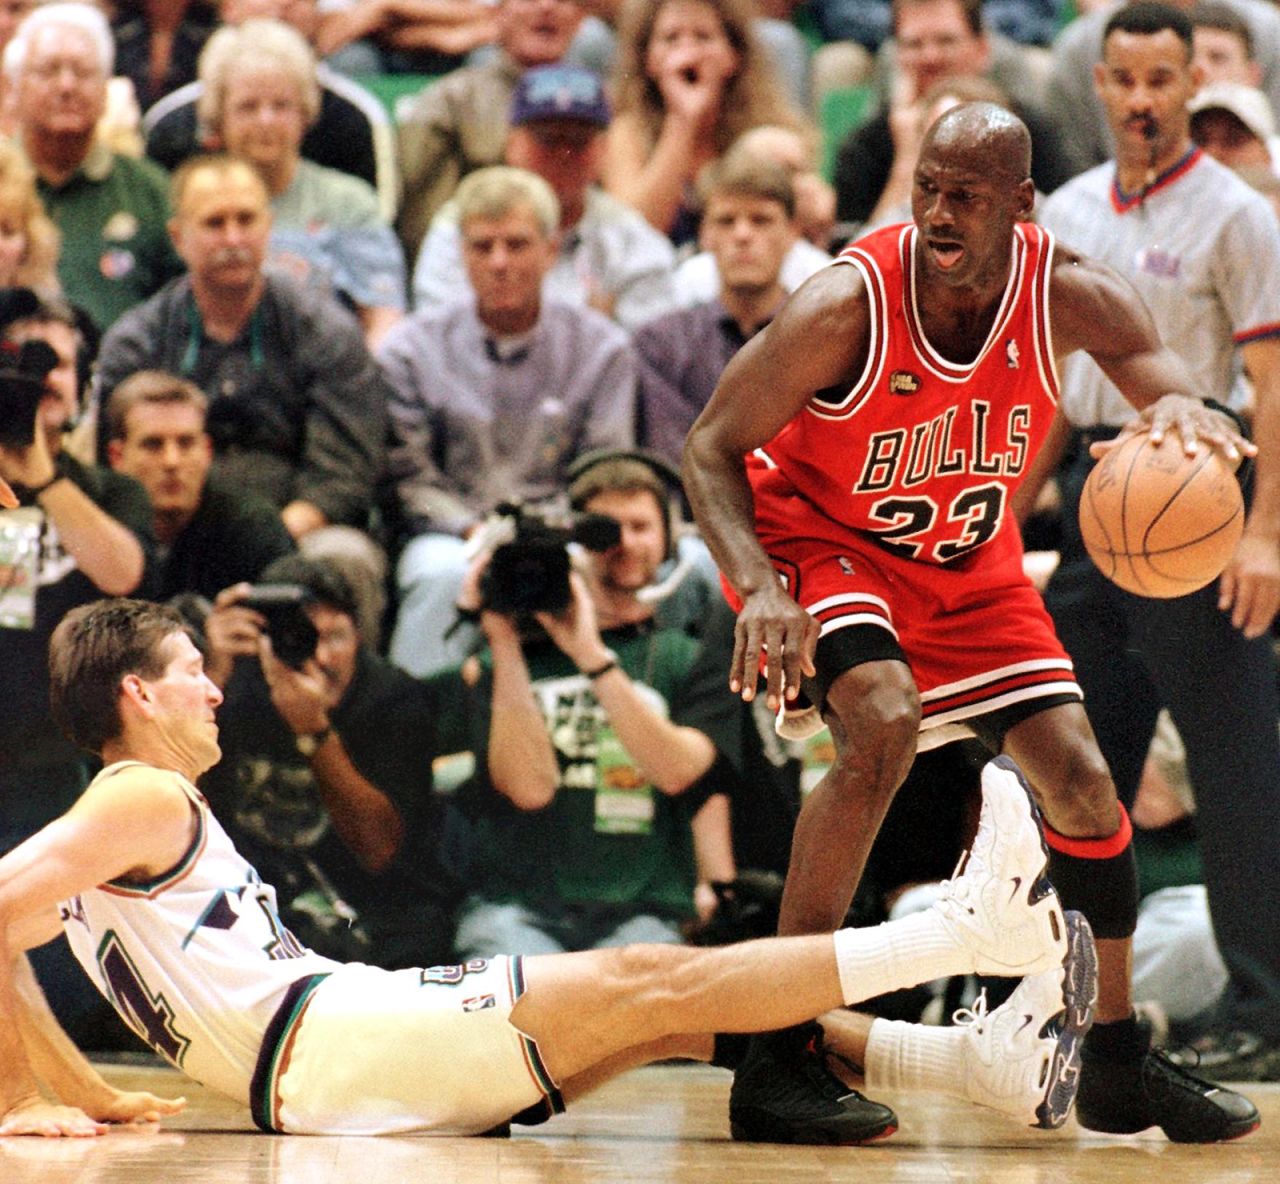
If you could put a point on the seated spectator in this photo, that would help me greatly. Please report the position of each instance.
(1222, 45)
(297, 407)
(690, 78)
(749, 228)
(609, 257)
(585, 751)
(1073, 99)
(401, 36)
(110, 208)
(259, 96)
(935, 39)
(1234, 124)
(29, 241)
(352, 132)
(325, 777)
(698, 279)
(492, 399)
(459, 123)
(158, 43)
(209, 534)
(80, 533)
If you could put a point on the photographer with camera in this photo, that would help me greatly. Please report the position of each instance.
(492, 398)
(78, 533)
(590, 753)
(325, 780)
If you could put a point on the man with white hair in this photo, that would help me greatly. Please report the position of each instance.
(111, 209)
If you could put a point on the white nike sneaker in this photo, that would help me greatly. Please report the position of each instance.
(1000, 905)
(1023, 1059)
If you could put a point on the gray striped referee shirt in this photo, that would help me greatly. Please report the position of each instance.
(1201, 247)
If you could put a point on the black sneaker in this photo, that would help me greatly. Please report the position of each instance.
(1123, 1095)
(1231, 1056)
(784, 1093)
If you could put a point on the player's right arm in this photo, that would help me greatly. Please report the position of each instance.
(137, 824)
(817, 341)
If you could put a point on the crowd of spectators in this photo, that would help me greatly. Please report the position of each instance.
(326, 294)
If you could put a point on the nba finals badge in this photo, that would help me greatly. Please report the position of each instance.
(903, 382)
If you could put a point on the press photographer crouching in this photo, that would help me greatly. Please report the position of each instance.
(590, 754)
(325, 780)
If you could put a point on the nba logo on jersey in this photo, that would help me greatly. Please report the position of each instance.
(845, 565)
(479, 1003)
(1011, 354)
(903, 382)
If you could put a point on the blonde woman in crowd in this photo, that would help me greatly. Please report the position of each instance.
(260, 96)
(28, 238)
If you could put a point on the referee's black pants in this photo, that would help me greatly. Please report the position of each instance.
(1132, 656)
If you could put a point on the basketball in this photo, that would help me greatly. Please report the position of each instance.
(1158, 522)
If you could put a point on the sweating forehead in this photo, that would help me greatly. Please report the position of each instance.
(980, 138)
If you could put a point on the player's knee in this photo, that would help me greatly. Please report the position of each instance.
(880, 727)
(1082, 801)
(649, 971)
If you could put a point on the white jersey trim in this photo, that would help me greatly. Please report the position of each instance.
(988, 676)
(877, 346)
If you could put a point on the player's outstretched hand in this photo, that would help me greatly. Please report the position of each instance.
(1195, 424)
(50, 1120)
(135, 1106)
(1249, 588)
(8, 499)
(773, 624)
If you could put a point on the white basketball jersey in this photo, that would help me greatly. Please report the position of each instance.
(197, 961)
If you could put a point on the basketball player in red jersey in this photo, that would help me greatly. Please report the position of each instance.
(886, 416)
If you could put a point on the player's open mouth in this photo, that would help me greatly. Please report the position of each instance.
(946, 255)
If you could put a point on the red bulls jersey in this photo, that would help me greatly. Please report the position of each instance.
(924, 452)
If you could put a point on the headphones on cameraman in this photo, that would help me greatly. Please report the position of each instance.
(672, 501)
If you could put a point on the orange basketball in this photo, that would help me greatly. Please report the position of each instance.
(1158, 522)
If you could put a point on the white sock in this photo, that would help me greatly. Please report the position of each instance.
(903, 953)
(914, 1057)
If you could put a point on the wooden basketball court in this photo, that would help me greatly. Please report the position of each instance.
(665, 1125)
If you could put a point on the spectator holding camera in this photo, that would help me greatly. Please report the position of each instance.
(588, 748)
(325, 779)
(79, 532)
(492, 399)
(210, 533)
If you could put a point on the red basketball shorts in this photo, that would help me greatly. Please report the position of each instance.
(975, 633)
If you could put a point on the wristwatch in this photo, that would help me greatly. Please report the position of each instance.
(308, 744)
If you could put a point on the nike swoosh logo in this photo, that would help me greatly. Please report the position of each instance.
(1026, 1019)
(1017, 883)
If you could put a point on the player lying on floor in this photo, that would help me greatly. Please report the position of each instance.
(181, 935)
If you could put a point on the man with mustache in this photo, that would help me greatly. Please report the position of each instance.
(851, 476)
(297, 406)
(1203, 251)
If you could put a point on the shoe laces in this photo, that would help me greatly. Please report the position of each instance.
(974, 1017)
(815, 1061)
(1161, 1077)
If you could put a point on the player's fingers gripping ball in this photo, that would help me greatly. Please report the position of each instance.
(1158, 522)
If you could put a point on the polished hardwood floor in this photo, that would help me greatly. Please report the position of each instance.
(665, 1125)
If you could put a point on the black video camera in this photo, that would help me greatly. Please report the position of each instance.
(293, 637)
(530, 572)
(22, 386)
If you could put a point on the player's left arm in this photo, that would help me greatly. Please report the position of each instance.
(1250, 585)
(1098, 311)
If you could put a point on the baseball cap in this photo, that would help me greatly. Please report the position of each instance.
(1248, 104)
(559, 92)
